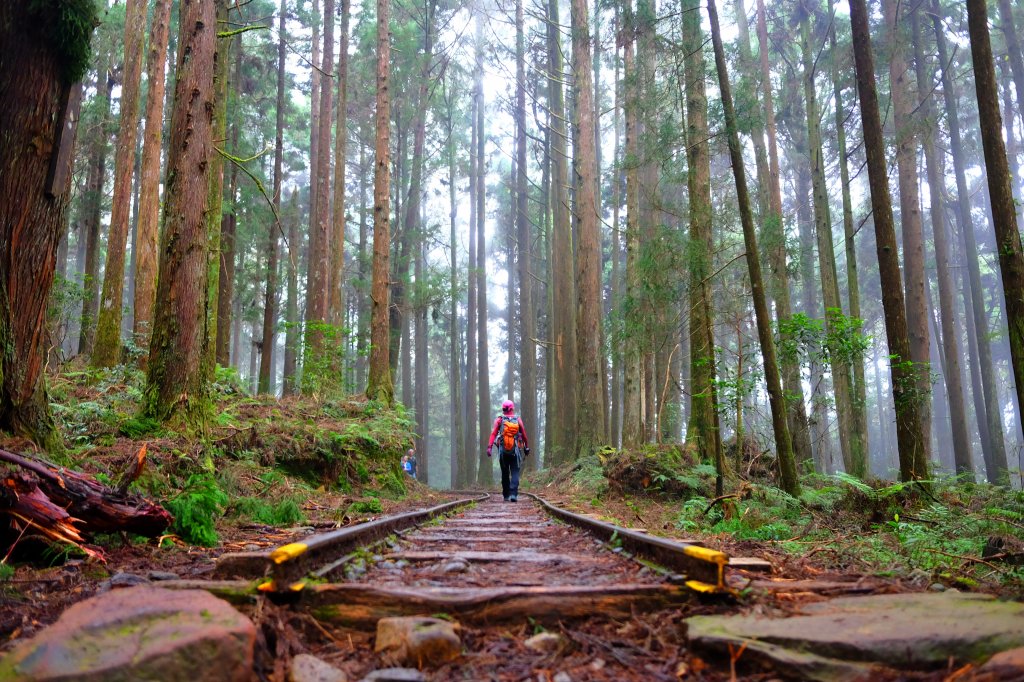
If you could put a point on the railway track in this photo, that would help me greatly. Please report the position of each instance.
(485, 564)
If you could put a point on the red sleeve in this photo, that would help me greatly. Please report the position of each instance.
(494, 432)
(522, 430)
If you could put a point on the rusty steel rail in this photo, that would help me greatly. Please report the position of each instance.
(703, 568)
(290, 563)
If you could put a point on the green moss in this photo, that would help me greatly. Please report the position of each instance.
(67, 25)
(137, 427)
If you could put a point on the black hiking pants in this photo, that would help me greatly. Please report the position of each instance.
(509, 464)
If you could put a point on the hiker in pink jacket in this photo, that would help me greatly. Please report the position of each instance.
(513, 445)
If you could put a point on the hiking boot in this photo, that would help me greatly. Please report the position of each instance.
(505, 498)
(512, 498)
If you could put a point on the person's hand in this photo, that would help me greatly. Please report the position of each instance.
(488, 452)
(527, 451)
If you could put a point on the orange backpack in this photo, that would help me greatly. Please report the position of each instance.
(509, 433)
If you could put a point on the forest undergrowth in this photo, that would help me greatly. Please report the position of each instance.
(953, 534)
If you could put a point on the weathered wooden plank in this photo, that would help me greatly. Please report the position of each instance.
(361, 606)
(484, 556)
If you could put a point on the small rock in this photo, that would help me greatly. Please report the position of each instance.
(306, 668)
(388, 565)
(157, 576)
(597, 664)
(937, 587)
(562, 677)
(1004, 666)
(123, 580)
(417, 641)
(456, 566)
(396, 675)
(545, 642)
(401, 563)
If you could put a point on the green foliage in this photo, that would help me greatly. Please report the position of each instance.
(804, 338)
(138, 427)
(284, 512)
(370, 506)
(6, 571)
(196, 509)
(67, 25)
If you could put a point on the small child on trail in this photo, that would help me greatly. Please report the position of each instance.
(512, 447)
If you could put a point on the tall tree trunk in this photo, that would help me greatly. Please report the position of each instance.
(148, 231)
(335, 303)
(291, 315)
(318, 282)
(590, 429)
(93, 199)
(1004, 213)
(176, 386)
(40, 112)
(910, 435)
(527, 314)
(860, 417)
(562, 391)
(379, 383)
(992, 442)
(455, 356)
(703, 425)
(484, 470)
(783, 444)
(1013, 53)
(107, 350)
(226, 260)
(936, 184)
(773, 237)
(467, 466)
(904, 113)
(266, 384)
(633, 399)
(616, 249)
(854, 450)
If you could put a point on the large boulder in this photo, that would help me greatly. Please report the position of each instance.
(140, 634)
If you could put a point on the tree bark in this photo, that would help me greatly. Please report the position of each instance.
(950, 346)
(379, 383)
(148, 231)
(987, 408)
(590, 429)
(107, 349)
(909, 433)
(1004, 213)
(176, 385)
(291, 317)
(632, 399)
(225, 260)
(335, 303)
(774, 240)
(484, 469)
(562, 391)
(783, 444)
(854, 450)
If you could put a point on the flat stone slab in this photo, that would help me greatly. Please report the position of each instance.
(848, 637)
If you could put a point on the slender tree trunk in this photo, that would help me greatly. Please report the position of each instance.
(484, 471)
(467, 466)
(561, 393)
(335, 303)
(318, 282)
(455, 358)
(904, 114)
(176, 385)
(616, 248)
(107, 349)
(773, 237)
(1004, 213)
(1013, 53)
(270, 295)
(379, 383)
(854, 450)
(860, 418)
(93, 198)
(148, 231)
(993, 445)
(909, 432)
(936, 183)
(703, 425)
(226, 260)
(783, 444)
(632, 401)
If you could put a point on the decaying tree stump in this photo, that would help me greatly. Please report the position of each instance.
(63, 505)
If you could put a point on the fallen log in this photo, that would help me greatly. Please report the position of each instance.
(64, 505)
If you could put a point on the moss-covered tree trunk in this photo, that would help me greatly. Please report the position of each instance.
(176, 386)
(44, 48)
